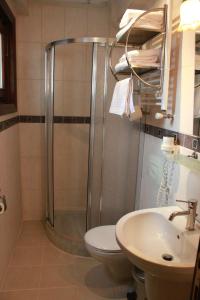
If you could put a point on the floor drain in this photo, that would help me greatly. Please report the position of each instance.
(167, 257)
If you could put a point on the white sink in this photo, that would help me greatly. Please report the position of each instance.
(146, 235)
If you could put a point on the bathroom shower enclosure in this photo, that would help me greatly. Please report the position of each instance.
(91, 156)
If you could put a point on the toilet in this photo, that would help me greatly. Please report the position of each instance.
(102, 245)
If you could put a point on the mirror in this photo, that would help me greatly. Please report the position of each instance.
(196, 121)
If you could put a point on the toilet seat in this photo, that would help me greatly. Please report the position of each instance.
(103, 239)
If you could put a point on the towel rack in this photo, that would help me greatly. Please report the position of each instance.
(127, 71)
(137, 70)
(133, 70)
(129, 39)
(113, 45)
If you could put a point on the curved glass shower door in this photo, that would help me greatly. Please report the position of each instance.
(91, 155)
(71, 90)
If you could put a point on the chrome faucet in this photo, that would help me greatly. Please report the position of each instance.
(191, 213)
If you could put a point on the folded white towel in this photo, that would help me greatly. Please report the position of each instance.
(147, 55)
(153, 19)
(128, 15)
(120, 97)
(122, 102)
(123, 66)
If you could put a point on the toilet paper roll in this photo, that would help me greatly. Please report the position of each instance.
(2, 208)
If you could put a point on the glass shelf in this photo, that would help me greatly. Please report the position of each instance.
(188, 162)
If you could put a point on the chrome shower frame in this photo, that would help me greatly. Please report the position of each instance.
(49, 118)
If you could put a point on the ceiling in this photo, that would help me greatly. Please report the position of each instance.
(118, 6)
(21, 6)
(75, 1)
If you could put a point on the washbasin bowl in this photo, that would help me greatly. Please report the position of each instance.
(158, 246)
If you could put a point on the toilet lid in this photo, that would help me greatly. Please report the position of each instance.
(103, 238)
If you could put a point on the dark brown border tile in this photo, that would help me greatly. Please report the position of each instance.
(187, 141)
(8, 123)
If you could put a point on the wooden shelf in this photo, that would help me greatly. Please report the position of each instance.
(138, 70)
(139, 36)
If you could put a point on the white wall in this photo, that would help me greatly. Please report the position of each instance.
(185, 182)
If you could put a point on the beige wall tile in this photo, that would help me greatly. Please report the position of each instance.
(76, 139)
(71, 139)
(31, 173)
(88, 74)
(76, 100)
(71, 199)
(29, 28)
(98, 21)
(29, 60)
(76, 29)
(75, 62)
(42, 95)
(31, 143)
(53, 23)
(33, 204)
(10, 221)
(59, 62)
(60, 133)
(71, 162)
(70, 172)
(43, 48)
(58, 98)
(29, 97)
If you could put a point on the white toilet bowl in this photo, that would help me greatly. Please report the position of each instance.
(102, 245)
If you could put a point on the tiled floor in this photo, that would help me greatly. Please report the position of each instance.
(64, 223)
(40, 271)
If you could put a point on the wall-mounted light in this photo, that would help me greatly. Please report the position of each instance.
(189, 15)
